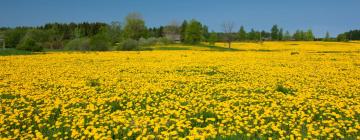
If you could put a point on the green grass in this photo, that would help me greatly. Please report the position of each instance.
(174, 48)
(7, 52)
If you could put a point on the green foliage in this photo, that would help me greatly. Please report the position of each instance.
(300, 35)
(309, 36)
(156, 32)
(183, 31)
(287, 36)
(147, 42)
(193, 32)
(242, 34)
(13, 51)
(281, 34)
(212, 38)
(206, 34)
(254, 35)
(29, 44)
(129, 45)
(114, 32)
(342, 38)
(285, 90)
(165, 41)
(33, 40)
(14, 36)
(275, 32)
(134, 27)
(352, 35)
(100, 42)
(81, 44)
(69, 31)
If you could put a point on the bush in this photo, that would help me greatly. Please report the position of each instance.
(14, 36)
(129, 45)
(29, 44)
(99, 43)
(82, 44)
(165, 41)
(147, 42)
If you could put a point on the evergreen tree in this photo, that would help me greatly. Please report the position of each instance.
(327, 36)
(275, 32)
(287, 36)
(183, 31)
(252, 35)
(242, 34)
(309, 36)
(206, 33)
(281, 34)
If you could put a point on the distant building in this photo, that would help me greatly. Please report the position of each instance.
(173, 37)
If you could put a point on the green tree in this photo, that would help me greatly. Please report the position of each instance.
(55, 39)
(13, 37)
(101, 41)
(134, 27)
(242, 34)
(252, 35)
(327, 36)
(342, 37)
(287, 36)
(206, 33)
(34, 40)
(281, 34)
(212, 38)
(183, 30)
(193, 32)
(275, 32)
(299, 35)
(309, 36)
(114, 32)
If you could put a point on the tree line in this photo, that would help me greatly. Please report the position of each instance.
(134, 35)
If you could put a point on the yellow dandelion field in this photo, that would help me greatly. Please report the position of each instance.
(277, 90)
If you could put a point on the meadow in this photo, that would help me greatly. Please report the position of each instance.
(273, 90)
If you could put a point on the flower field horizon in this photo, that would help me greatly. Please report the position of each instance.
(275, 90)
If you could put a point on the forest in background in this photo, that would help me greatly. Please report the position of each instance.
(134, 35)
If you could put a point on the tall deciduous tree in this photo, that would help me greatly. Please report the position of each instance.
(228, 28)
(193, 32)
(134, 26)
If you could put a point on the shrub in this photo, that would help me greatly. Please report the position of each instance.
(14, 36)
(34, 40)
(129, 45)
(82, 44)
(147, 42)
(165, 41)
(29, 44)
(99, 43)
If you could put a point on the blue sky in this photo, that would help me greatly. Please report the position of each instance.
(334, 16)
